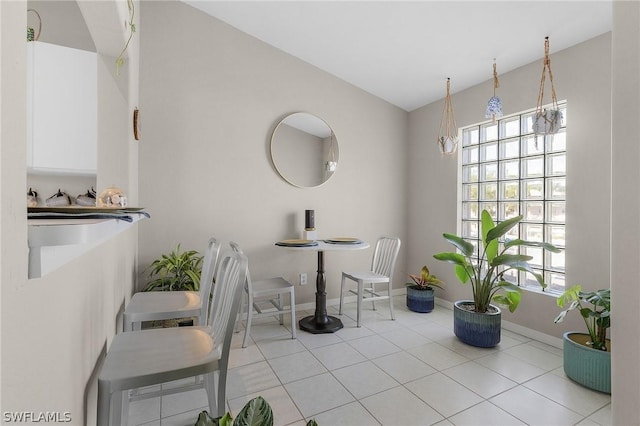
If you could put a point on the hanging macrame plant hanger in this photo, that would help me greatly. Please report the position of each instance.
(547, 121)
(448, 131)
(494, 106)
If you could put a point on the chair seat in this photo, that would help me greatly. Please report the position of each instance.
(161, 305)
(143, 358)
(367, 276)
(270, 285)
(381, 272)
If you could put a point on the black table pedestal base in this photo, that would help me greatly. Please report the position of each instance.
(312, 325)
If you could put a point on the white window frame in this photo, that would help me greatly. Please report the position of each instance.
(517, 173)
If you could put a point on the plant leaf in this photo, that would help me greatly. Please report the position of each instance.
(464, 246)
(510, 259)
(256, 412)
(490, 247)
(502, 228)
(462, 273)
(518, 242)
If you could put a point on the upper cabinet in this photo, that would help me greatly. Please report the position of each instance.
(61, 109)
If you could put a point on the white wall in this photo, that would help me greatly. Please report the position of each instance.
(625, 205)
(582, 76)
(210, 98)
(55, 328)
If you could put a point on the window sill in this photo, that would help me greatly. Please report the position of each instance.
(55, 242)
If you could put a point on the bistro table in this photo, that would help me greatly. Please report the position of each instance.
(320, 322)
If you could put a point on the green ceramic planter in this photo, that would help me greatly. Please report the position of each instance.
(585, 365)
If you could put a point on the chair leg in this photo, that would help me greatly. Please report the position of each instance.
(210, 388)
(360, 296)
(292, 301)
(280, 304)
(222, 391)
(341, 294)
(247, 329)
(373, 294)
(124, 407)
(104, 404)
(393, 317)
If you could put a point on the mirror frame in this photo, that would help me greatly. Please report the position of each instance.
(290, 180)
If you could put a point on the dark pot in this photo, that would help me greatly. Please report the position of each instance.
(420, 300)
(474, 328)
(585, 365)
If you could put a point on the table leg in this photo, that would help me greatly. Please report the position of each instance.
(320, 322)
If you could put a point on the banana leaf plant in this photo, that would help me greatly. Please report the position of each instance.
(597, 318)
(486, 274)
(177, 271)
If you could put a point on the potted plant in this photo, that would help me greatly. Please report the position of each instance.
(420, 294)
(587, 357)
(255, 412)
(175, 271)
(477, 322)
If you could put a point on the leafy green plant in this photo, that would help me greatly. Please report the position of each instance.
(256, 412)
(425, 281)
(487, 274)
(597, 318)
(175, 271)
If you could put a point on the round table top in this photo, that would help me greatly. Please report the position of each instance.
(325, 246)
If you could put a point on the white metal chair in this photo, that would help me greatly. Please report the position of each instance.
(257, 291)
(150, 357)
(382, 267)
(163, 305)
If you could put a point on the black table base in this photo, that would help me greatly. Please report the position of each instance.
(312, 325)
(320, 322)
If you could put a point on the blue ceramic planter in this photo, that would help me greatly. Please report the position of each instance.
(587, 366)
(420, 300)
(476, 329)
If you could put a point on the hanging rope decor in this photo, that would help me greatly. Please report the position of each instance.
(547, 121)
(494, 106)
(448, 131)
(331, 164)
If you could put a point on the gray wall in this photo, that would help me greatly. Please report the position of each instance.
(55, 329)
(582, 76)
(210, 99)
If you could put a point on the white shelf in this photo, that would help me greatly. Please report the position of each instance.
(54, 242)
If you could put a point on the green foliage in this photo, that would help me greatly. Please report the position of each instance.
(175, 272)
(597, 318)
(425, 281)
(256, 412)
(486, 276)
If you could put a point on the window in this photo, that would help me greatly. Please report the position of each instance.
(508, 171)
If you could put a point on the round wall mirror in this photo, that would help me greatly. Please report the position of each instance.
(304, 150)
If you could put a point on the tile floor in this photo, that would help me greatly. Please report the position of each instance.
(412, 371)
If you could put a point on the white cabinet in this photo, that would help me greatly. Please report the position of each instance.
(61, 109)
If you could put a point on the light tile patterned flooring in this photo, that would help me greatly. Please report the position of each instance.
(412, 371)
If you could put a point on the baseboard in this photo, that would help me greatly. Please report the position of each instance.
(510, 326)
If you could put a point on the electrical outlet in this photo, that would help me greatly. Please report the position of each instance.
(303, 279)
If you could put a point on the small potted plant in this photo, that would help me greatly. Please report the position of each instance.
(420, 294)
(477, 322)
(587, 357)
(175, 271)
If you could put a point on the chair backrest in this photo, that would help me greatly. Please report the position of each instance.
(206, 276)
(231, 273)
(236, 249)
(385, 256)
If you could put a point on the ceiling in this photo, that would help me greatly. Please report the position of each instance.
(403, 51)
